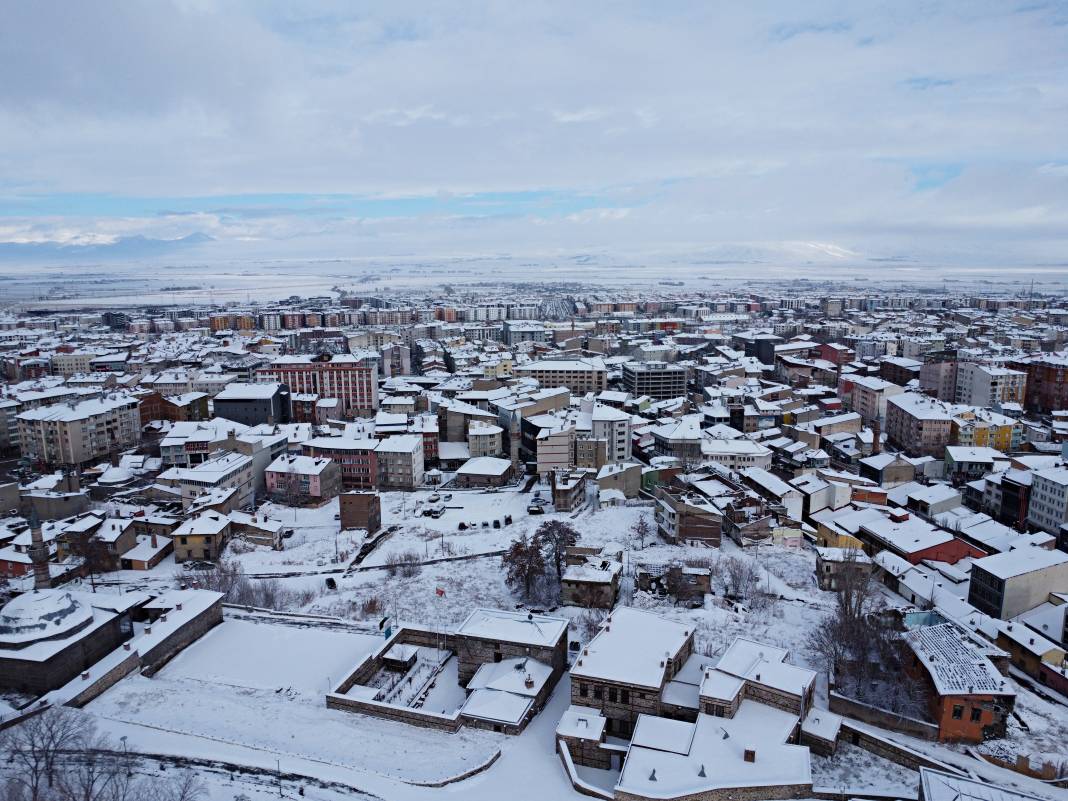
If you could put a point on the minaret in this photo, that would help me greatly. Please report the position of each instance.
(38, 552)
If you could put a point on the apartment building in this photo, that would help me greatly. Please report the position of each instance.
(984, 385)
(1012, 582)
(400, 462)
(223, 471)
(869, 396)
(254, 404)
(657, 380)
(613, 427)
(313, 477)
(1048, 506)
(80, 433)
(918, 425)
(353, 380)
(357, 459)
(578, 375)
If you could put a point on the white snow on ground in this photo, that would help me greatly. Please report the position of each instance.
(857, 769)
(262, 656)
(218, 698)
(292, 727)
(1047, 738)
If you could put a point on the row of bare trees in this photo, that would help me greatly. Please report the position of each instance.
(238, 588)
(57, 755)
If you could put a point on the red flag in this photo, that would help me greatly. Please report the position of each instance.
(440, 592)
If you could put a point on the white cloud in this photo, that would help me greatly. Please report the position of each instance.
(702, 124)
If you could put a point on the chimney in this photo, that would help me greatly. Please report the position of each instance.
(154, 543)
(750, 755)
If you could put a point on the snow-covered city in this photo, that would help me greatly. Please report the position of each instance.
(533, 401)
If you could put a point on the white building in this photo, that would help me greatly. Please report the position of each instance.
(983, 385)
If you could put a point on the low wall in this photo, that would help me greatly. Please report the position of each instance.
(96, 686)
(160, 654)
(467, 774)
(899, 754)
(572, 775)
(401, 714)
(845, 794)
(876, 716)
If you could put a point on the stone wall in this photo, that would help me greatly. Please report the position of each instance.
(186, 634)
(772, 697)
(563, 751)
(36, 677)
(96, 686)
(841, 705)
(880, 746)
(733, 793)
(586, 752)
(400, 714)
(473, 652)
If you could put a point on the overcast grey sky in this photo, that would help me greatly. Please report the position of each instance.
(913, 130)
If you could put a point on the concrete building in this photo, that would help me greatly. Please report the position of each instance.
(485, 439)
(357, 458)
(223, 471)
(294, 477)
(1047, 508)
(1007, 584)
(987, 386)
(400, 462)
(578, 375)
(202, 537)
(361, 509)
(353, 380)
(1047, 381)
(869, 395)
(254, 404)
(79, 434)
(918, 425)
(659, 380)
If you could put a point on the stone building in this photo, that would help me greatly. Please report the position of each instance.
(623, 670)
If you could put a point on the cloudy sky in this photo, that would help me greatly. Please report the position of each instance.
(928, 131)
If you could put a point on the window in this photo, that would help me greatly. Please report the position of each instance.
(958, 712)
(977, 714)
(624, 696)
(612, 696)
(584, 691)
(598, 693)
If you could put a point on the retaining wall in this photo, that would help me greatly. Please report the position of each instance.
(884, 718)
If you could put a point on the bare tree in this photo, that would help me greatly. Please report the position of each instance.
(94, 774)
(680, 585)
(186, 786)
(641, 529)
(554, 536)
(34, 747)
(740, 577)
(525, 564)
(96, 558)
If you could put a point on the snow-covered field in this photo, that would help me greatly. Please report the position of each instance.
(277, 658)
